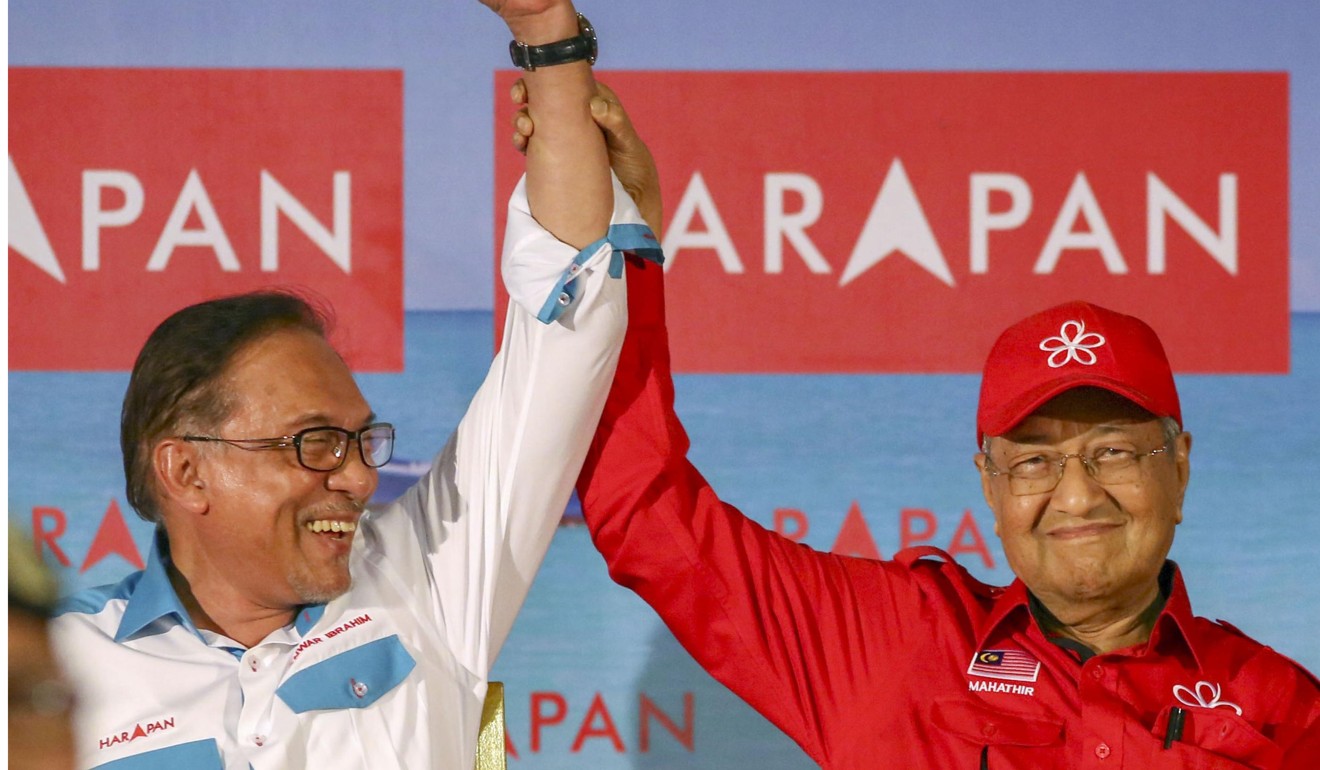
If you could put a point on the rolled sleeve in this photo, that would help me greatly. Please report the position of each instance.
(542, 273)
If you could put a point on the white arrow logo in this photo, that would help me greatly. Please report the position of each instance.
(897, 223)
(26, 235)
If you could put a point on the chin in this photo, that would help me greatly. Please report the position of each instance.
(322, 590)
(1091, 584)
(1086, 592)
(321, 596)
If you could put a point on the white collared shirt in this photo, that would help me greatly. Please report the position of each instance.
(393, 673)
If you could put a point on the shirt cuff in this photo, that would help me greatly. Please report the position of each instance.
(541, 272)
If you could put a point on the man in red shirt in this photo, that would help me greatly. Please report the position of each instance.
(1092, 658)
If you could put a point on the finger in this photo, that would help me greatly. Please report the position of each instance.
(614, 122)
(606, 92)
(600, 111)
(519, 142)
(616, 110)
(522, 123)
(608, 115)
(518, 93)
(613, 111)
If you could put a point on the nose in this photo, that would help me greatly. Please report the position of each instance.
(1077, 491)
(354, 478)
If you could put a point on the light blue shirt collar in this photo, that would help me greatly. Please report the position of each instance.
(153, 599)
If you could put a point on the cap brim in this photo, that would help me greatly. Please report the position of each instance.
(1017, 410)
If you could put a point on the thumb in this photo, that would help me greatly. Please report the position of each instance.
(611, 119)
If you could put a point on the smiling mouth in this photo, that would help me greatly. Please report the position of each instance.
(331, 527)
(1077, 533)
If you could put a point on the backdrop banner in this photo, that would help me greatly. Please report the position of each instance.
(895, 222)
(135, 192)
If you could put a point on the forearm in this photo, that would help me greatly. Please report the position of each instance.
(784, 627)
(568, 176)
(703, 566)
(490, 509)
(527, 432)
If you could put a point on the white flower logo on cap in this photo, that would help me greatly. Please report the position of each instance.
(1074, 343)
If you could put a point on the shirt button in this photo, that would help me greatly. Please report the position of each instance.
(990, 730)
(1102, 750)
(574, 269)
(252, 663)
(564, 299)
(1097, 673)
(260, 740)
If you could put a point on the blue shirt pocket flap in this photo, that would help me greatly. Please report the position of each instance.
(194, 755)
(350, 680)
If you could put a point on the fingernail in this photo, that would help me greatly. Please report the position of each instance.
(599, 107)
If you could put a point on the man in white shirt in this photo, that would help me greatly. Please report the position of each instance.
(281, 624)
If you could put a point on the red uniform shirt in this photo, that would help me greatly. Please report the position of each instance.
(910, 663)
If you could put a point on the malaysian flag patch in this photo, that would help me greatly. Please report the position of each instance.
(1013, 665)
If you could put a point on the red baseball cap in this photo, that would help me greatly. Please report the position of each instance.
(1070, 346)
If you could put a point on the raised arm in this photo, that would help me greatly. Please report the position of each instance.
(568, 177)
(470, 536)
(781, 625)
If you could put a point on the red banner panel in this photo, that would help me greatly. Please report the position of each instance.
(135, 192)
(896, 222)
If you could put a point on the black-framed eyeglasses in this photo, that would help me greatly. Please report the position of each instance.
(1040, 472)
(324, 447)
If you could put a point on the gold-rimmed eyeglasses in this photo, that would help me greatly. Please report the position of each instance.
(1039, 472)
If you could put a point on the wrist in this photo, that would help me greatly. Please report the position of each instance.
(557, 22)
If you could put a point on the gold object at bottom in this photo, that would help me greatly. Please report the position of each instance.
(490, 740)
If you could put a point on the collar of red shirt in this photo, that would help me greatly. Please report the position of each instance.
(1174, 626)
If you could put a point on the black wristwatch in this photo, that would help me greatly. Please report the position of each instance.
(582, 46)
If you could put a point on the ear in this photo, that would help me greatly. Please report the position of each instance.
(979, 458)
(177, 466)
(1182, 458)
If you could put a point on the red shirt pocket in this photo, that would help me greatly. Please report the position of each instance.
(1213, 735)
(984, 725)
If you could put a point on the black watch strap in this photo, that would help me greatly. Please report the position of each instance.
(581, 47)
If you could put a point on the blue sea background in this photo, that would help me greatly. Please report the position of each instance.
(818, 444)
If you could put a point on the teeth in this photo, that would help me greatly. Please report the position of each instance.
(325, 525)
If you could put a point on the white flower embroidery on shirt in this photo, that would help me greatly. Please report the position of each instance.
(1074, 346)
(1206, 695)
